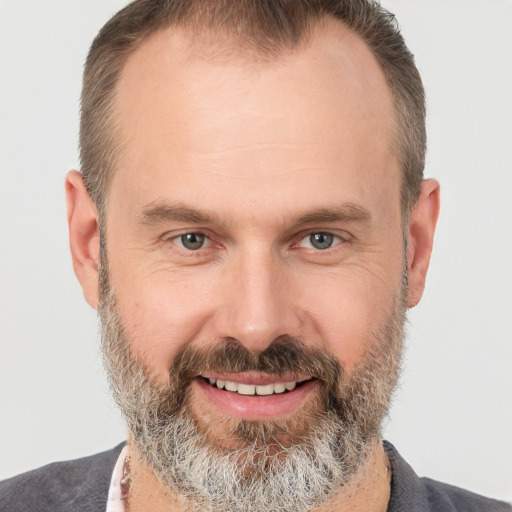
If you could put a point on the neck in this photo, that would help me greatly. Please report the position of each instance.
(368, 491)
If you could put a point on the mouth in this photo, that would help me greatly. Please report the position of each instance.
(256, 397)
(252, 389)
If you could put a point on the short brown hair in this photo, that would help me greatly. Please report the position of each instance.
(266, 27)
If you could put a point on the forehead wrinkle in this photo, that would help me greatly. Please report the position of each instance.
(256, 146)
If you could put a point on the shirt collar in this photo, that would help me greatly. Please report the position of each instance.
(117, 491)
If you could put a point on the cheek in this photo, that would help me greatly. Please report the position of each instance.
(347, 309)
(161, 312)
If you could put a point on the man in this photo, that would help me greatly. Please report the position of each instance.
(252, 224)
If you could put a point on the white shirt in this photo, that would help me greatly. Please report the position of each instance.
(116, 493)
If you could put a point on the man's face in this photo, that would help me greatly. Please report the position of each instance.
(255, 205)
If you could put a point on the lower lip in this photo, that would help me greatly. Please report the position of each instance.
(256, 407)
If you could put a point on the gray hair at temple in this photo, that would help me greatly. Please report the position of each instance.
(263, 29)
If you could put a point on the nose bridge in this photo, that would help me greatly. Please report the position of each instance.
(257, 306)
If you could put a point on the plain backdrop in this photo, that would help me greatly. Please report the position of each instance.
(452, 415)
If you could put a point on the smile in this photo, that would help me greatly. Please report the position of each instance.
(254, 396)
(255, 389)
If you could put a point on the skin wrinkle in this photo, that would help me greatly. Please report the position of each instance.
(277, 173)
(256, 148)
(283, 173)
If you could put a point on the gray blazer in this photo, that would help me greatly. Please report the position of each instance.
(82, 486)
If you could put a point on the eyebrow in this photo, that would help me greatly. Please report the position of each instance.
(164, 212)
(160, 213)
(348, 212)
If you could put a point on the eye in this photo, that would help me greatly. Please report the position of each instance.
(191, 241)
(320, 241)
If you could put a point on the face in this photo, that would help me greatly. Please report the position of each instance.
(254, 201)
(255, 274)
(254, 220)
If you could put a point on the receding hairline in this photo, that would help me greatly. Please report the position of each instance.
(206, 47)
(260, 31)
(208, 42)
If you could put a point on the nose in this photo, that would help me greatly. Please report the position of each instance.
(258, 302)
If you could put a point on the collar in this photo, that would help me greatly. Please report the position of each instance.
(117, 491)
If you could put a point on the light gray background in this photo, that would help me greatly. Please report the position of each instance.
(452, 416)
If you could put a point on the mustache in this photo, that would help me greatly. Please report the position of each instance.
(284, 356)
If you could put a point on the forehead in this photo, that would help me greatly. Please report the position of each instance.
(212, 115)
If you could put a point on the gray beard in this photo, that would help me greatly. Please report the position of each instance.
(287, 466)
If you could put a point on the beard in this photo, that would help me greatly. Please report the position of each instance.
(288, 465)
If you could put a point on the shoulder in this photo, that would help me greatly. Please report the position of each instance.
(80, 484)
(414, 494)
(453, 498)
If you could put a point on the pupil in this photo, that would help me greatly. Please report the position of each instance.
(192, 241)
(321, 240)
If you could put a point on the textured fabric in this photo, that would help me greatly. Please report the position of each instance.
(409, 493)
(75, 486)
(82, 486)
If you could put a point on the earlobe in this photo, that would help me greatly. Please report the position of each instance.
(422, 225)
(84, 235)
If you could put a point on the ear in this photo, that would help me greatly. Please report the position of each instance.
(422, 225)
(84, 235)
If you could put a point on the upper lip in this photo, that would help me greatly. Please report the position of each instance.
(258, 379)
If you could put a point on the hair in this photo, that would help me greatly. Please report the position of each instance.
(262, 27)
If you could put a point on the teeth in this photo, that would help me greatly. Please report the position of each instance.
(279, 387)
(232, 386)
(251, 389)
(246, 389)
(265, 390)
(290, 386)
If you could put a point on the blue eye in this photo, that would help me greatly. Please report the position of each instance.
(192, 241)
(320, 241)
